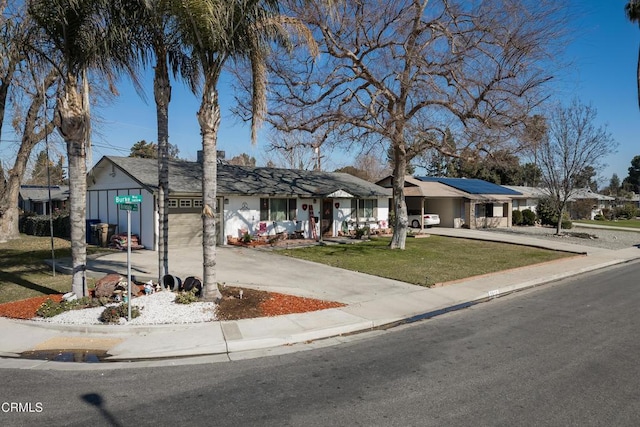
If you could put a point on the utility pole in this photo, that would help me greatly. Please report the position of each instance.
(46, 142)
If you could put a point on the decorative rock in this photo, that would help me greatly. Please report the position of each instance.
(106, 286)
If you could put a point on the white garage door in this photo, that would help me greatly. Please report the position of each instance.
(185, 229)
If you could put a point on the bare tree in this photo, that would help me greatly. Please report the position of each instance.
(296, 150)
(243, 160)
(574, 143)
(27, 81)
(400, 72)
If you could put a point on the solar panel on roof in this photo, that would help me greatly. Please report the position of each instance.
(471, 186)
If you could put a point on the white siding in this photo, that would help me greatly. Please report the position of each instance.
(101, 205)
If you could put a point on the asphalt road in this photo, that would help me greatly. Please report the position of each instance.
(561, 355)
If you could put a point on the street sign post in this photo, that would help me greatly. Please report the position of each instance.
(129, 203)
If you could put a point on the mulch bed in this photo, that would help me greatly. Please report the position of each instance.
(26, 308)
(265, 304)
(253, 304)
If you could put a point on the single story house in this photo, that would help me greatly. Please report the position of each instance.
(254, 200)
(583, 201)
(460, 202)
(35, 198)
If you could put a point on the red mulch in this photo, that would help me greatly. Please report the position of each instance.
(26, 308)
(277, 304)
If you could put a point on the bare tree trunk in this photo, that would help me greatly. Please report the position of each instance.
(209, 119)
(9, 212)
(73, 127)
(399, 238)
(162, 93)
(560, 216)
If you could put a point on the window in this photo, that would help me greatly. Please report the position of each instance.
(173, 203)
(489, 210)
(365, 208)
(197, 203)
(264, 209)
(185, 203)
(278, 209)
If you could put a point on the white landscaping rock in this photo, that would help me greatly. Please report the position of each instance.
(155, 309)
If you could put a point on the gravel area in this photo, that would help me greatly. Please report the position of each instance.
(595, 237)
(155, 309)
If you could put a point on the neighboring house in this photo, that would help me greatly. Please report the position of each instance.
(528, 198)
(460, 202)
(35, 198)
(259, 201)
(582, 200)
(585, 202)
(634, 200)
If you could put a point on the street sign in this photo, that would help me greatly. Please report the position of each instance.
(128, 207)
(129, 203)
(131, 198)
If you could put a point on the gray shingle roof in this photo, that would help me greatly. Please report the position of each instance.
(185, 177)
(40, 193)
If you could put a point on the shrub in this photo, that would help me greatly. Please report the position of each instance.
(361, 232)
(528, 217)
(581, 209)
(566, 224)
(547, 213)
(51, 308)
(186, 297)
(114, 313)
(516, 218)
(627, 211)
(38, 225)
(599, 217)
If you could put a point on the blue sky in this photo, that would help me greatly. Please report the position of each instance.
(603, 57)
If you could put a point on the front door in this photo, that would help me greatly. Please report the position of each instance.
(327, 218)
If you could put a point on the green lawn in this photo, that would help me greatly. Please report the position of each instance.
(23, 273)
(427, 261)
(630, 223)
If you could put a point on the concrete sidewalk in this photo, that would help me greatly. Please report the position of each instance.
(372, 302)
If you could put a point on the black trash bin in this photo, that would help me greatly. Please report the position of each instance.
(91, 231)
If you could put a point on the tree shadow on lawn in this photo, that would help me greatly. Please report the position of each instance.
(15, 279)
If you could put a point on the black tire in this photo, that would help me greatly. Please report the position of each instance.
(415, 223)
(172, 283)
(188, 284)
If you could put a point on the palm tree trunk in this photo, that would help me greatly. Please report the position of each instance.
(73, 127)
(209, 120)
(162, 93)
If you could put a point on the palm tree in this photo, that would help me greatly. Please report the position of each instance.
(632, 10)
(161, 38)
(218, 31)
(89, 36)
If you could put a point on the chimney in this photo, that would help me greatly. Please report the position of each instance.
(200, 154)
